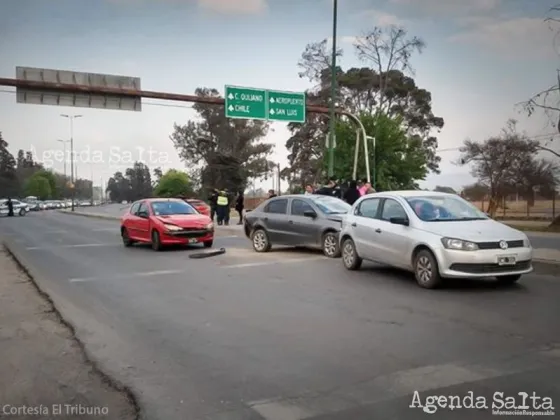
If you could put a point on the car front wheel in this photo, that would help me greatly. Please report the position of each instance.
(22, 212)
(125, 238)
(426, 270)
(156, 241)
(350, 257)
(330, 245)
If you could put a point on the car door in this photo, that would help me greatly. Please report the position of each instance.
(365, 226)
(394, 240)
(139, 222)
(303, 230)
(275, 219)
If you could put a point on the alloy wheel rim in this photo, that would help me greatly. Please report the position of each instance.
(330, 245)
(424, 269)
(259, 241)
(348, 255)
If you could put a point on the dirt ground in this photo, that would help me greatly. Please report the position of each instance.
(44, 374)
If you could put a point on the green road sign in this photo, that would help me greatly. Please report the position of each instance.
(249, 103)
(286, 106)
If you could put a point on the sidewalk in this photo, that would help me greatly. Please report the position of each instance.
(43, 368)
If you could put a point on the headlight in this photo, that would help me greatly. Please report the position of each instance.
(210, 226)
(458, 244)
(172, 228)
(526, 243)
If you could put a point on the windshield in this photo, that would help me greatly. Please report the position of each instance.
(168, 208)
(331, 205)
(445, 208)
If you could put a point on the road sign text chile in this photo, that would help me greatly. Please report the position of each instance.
(262, 104)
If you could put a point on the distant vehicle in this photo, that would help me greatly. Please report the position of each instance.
(298, 220)
(161, 222)
(49, 204)
(36, 205)
(199, 205)
(20, 208)
(85, 203)
(434, 235)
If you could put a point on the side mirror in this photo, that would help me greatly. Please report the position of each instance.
(399, 221)
(310, 213)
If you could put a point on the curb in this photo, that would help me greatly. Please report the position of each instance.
(546, 267)
(222, 229)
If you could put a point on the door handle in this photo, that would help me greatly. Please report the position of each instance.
(377, 230)
(266, 219)
(354, 224)
(291, 222)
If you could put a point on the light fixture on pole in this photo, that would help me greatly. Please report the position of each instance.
(64, 148)
(71, 118)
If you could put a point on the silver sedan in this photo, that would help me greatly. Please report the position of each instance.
(297, 220)
(435, 236)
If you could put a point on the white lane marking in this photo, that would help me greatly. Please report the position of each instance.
(273, 262)
(126, 276)
(54, 232)
(400, 384)
(34, 248)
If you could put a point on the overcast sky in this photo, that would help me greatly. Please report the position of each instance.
(482, 57)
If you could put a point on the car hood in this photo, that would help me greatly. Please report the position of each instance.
(186, 220)
(475, 230)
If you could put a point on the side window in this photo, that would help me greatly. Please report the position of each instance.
(299, 207)
(368, 208)
(142, 208)
(392, 209)
(277, 207)
(134, 208)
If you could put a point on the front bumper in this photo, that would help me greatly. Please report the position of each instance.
(483, 263)
(187, 236)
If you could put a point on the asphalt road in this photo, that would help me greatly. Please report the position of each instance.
(288, 335)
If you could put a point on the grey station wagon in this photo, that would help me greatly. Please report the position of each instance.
(297, 220)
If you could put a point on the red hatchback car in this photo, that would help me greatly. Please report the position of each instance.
(161, 222)
(199, 205)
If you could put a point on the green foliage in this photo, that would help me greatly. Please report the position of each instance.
(174, 184)
(397, 160)
(39, 186)
(51, 179)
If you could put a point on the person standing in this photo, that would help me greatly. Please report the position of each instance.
(222, 207)
(352, 194)
(239, 206)
(213, 200)
(10, 207)
(271, 194)
(309, 190)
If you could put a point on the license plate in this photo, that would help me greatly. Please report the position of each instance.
(507, 260)
(193, 241)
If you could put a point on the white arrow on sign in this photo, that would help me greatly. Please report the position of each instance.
(272, 100)
(230, 96)
(231, 108)
(271, 112)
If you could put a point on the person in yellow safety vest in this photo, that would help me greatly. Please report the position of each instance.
(222, 208)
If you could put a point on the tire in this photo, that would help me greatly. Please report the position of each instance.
(22, 212)
(208, 244)
(127, 242)
(260, 240)
(156, 241)
(426, 270)
(508, 280)
(330, 245)
(350, 257)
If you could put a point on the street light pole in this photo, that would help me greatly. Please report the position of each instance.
(332, 125)
(71, 118)
(64, 148)
(374, 160)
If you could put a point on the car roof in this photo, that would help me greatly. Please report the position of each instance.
(410, 193)
(153, 199)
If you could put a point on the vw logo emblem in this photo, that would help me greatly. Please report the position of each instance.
(503, 244)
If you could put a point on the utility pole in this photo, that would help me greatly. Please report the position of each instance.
(71, 118)
(332, 125)
(64, 148)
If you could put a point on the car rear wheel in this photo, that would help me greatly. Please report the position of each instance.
(330, 245)
(208, 244)
(156, 241)
(22, 212)
(125, 238)
(426, 270)
(261, 242)
(507, 280)
(350, 257)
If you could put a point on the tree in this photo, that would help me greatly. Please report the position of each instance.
(174, 184)
(118, 188)
(8, 179)
(506, 164)
(227, 151)
(51, 179)
(140, 181)
(475, 192)
(444, 189)
(38, 185)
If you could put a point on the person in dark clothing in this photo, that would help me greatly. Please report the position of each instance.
(239, 206)
(271, 194)
(332, 189)
(10, 207)
(352, 194)
(222, 208)
(213, 200)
